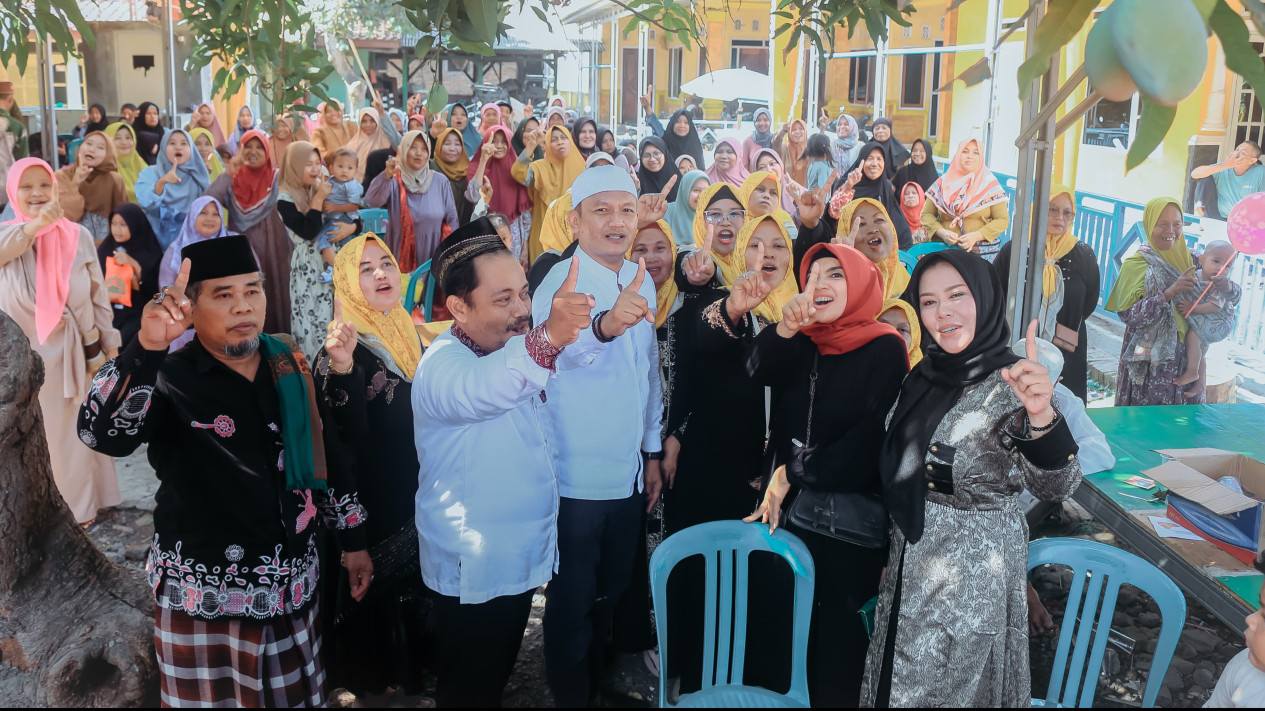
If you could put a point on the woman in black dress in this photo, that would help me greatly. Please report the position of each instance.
(835, 373)
(1069, 292)
(365, 374)
(132, 243)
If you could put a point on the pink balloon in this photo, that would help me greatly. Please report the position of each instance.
(1246, 224)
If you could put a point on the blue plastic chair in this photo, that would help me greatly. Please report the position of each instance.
(727, 547)
(920, 250)
(375, 220)
(908, 260)
(72, 151)
(422, 275)
(1098, 572)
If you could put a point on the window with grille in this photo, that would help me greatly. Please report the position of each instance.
(1111, 123)
(1249, 120)
(755, 25)
(752, 54)
(906, 32)
(926, 31)
(860, 80)
(737, 24)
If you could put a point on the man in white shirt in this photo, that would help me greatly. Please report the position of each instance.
(487, 500)
(602, 423)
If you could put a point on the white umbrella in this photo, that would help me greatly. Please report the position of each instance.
(731, 85)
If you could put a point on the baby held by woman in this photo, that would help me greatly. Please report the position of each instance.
(1210, 310)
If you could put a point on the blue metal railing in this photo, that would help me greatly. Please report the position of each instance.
(1112, 227)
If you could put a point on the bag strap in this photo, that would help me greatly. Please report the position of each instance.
(812, 396)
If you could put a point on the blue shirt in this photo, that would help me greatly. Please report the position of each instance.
(1232, 187)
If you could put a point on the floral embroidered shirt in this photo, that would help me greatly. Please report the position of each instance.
(229, 540)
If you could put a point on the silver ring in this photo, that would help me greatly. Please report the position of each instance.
(748, 273)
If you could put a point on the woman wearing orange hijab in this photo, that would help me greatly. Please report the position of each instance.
(546, 179)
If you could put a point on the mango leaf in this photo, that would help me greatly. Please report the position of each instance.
(1062, 21)
(1240, 57)
(541, 14)
(424, 43)
(1257, 9)
(1153, 126)
(483, 15)
(436, 98)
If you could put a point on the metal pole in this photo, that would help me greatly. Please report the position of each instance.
(48, 117)
(1019, 249)
(169, 39)
(880, 77)
(615, 87)
(990, 39)
(643, 47)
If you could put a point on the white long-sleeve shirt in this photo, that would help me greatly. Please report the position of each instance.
(487, 499)
(605, 405)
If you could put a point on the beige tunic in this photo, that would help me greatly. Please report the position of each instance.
(85, 478)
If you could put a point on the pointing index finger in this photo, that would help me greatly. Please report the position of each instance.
(811, 286)
(707, 241)
(182, 279)
(1030, 345)
(573, 277)
(668, 187)
(338, 310)
(641, 275)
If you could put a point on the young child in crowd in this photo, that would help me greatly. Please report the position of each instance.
(1242, 684)
(823, 163)
(1212, 307)
(341, 207)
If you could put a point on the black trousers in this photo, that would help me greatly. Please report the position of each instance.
(597, 544)
(476, 646)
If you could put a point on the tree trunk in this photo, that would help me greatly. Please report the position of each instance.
(75, 629)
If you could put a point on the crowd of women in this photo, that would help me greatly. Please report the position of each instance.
(783, 314)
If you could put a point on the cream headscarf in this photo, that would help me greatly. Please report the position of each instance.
(364, 144)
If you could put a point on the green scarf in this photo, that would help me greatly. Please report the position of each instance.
(300, 423)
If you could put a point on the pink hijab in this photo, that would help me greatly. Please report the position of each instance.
(735, 175)
(484, 130)
(55, 248)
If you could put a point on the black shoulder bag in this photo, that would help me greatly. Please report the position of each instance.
(852, 517)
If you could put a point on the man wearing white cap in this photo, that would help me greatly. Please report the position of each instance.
(602, 423)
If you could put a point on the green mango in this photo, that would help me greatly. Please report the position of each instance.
(1163, 44)
(1106, 73)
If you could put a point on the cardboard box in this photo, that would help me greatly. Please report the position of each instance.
(1211, 509)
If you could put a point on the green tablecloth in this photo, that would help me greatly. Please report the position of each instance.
(1135, 431)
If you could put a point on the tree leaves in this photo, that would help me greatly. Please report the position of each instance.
(1240, 57)
(55, 20)
(1153, 126)
(1062, 21)
(436, 99)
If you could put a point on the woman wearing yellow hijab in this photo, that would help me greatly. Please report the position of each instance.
(761, 192)
(130, 163)
(723, 210)
(900, 315)
(205, 143)
(654, 244)
(772, 264)
(548, 178)
(364, 372)
(1069, 288)
(1145, 297)
(450, 159)
(865, 224)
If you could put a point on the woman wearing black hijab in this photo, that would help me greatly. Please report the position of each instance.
(973, 426)
(866, 178)
(149, 131)
(95, 120)
(132, 243)
(657, 165)
(531, 123)
(588, 142)
(896, 151)
(681, 137)
(920, 169)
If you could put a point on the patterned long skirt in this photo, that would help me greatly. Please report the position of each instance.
(273, 663)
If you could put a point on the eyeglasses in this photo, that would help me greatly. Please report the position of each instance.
(1065, 214)
(732, 216)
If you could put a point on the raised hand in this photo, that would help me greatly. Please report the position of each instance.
(340, 341)
(377, 104)
(392, 167)
(50, 213)
(571, 312)
(485, 191)
(800, 311)
(823, 119)
(850, 239)
(699, 267)
(1185, 282)
(234, 164)
(810, 205)
(1030, 382)
(413, 102)
(770, 510)
(528, 110)
(531, 139)
(630, 308)
(323, 189)
(853, 178)
(748, 290)
(646, 97)
(164, 321)
(651, 207)
(82, 172)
